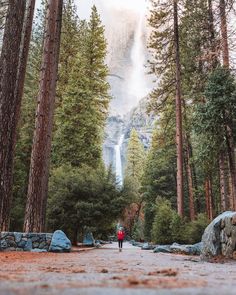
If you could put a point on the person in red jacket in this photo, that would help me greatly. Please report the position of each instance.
(120, 237)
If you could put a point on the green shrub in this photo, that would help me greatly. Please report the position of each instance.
(161, 228)
(195, 229)
(82, 198)
(138, 230)
(177, 227)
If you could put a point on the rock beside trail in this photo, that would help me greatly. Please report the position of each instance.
(137, 244)
(219, 238)
(147, 246)
(60, 242)
(16, 241)
(162, 249)
(186, 249)
(180, 249)
(88, 240)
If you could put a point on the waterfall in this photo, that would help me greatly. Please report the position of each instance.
(118, 163)
(137, 84)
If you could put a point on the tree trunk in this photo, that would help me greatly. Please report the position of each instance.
(190, 180)
(223, 183)
(179, 137)
(210, 199)
(224, 34)
(27, 29)
(230, 196)
(40, 157)
(208, 196)
(232, 170)
(214, 53)
(9, 102)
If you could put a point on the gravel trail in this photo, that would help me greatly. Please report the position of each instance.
(106, 271)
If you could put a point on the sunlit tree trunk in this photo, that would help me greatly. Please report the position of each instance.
(179, 137)
(39, 167)
(11, 81)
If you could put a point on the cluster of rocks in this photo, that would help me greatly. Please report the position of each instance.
(35, 242)
(174, 248)
(219, 238)
(180, 249)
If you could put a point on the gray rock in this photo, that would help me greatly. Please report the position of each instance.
(18, 237)
(186, 249)
(11, 244)
(137, 244)
(28, 245)
(162, 249)
(98, 244)
(88, 239)
(3, 244)
(36, 239)
(219, 237)
(147, 246)
(21, 244)
(35, 245)
(60, 242)
(42, 245)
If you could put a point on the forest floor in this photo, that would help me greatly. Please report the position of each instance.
(106, 271)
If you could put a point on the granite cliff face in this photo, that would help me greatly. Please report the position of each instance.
(121, 126)
(127, 56)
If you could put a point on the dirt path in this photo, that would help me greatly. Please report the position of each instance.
(106, 271)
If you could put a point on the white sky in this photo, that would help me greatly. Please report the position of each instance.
(84, 6)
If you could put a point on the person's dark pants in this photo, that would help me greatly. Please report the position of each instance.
(120, 243)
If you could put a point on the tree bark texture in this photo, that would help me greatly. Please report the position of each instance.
(179, 136)
(214, 51)
(10, 100)
(40, 157)
(232, 165)
(208, 197)
(224, 34)
(190, 180)
(223, 182)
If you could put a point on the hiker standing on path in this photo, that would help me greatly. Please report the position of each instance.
(120, 237)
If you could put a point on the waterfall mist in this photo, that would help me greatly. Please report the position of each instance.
(118, 162)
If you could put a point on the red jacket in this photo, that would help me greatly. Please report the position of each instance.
(120, 235)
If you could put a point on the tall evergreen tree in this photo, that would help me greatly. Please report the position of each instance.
(10, 100)
(83, 111)
(26, 123)
(39, 169)
(132, 181)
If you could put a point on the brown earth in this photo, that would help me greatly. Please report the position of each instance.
(107, 271)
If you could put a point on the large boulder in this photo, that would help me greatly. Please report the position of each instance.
(60, 242)
(219, 238)
(88, 240)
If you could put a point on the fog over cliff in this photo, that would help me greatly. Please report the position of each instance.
(125, 28)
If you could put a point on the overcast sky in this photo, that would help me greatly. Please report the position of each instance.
(84, 6)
